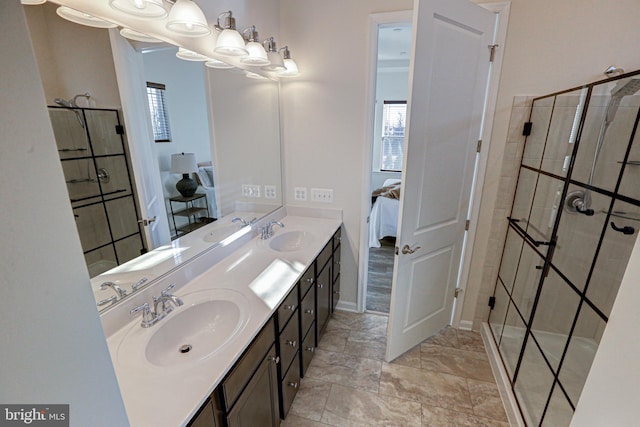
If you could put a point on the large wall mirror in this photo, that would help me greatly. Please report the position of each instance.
(230, 122)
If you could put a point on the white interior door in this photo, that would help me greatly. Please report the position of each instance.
(132, 87)
(448, 83)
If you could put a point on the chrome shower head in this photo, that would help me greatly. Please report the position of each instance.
(64, 103)
(626, 88)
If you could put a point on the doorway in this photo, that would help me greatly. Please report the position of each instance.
(391, 92)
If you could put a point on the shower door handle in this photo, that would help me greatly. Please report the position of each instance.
(406, 249)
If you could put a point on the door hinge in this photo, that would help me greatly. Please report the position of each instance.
(397, 250)
(466, 225)
(492, 51)
(492, 302)
(479, 146)
(526, 129)
(457, 292)
(368, 218)
(120, 129)
(146, 221)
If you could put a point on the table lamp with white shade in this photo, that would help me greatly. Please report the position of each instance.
(185, 164)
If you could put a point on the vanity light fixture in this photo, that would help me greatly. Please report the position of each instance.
(189, 55)
(229, 42)
(140, 8)
(186, 18)
(257, 54)
(185, 163)
(276, 62)
(82, 18)
(291, 68)
(216, 63)
(252, 75)
(138, 36)
(33, 2)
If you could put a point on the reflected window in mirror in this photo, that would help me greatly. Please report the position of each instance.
(156, 94)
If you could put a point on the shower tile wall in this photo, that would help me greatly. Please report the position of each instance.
(520, 111)
(554, 293)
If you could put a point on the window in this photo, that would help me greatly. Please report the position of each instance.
(159, 113)
(394, 119)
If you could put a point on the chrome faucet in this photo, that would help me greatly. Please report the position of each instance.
(243, 221)
(267, 230)
(121, 292)
(165, 301)
(161, 307)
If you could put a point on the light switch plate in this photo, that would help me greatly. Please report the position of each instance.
(249, 190)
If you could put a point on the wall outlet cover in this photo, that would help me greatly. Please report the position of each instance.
(300, 193)
(269, 191)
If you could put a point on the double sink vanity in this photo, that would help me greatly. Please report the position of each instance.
(224, 339)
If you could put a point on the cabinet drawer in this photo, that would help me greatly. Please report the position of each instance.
(290, 384)
(308, 279)
(335, 296)
(288, 307)
(307, 351)
(307, 311)
(236, 380)
(336, 263)
(324, 256)
(337, 238)
(289, 343)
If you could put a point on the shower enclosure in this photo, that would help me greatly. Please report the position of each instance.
(574, 221)
(96, 167)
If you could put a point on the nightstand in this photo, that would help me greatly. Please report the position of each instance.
(190, 211)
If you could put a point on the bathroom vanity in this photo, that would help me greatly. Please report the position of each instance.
(234, 352)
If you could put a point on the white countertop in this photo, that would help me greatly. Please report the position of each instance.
(261, 278)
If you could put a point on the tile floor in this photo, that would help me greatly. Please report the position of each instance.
(444, 381)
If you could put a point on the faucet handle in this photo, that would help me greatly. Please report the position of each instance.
(165, 292)
(148, 318)
(139, 283)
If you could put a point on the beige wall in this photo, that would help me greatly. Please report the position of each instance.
(72, 58)
(53, 347)
(550, 46)
(324, 109)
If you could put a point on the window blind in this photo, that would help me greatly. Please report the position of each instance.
(159, 113)
(394, 118)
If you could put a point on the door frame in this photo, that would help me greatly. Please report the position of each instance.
(501, 9)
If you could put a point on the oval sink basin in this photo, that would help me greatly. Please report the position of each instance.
(204, 325)
(290, 241)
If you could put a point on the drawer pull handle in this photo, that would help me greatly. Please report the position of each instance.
(310, 280)
(310, 349)
(290, 307)
(320, 286)
(292, 343)
(336, 292)
(292, 384)
(308, 311)
(337, 262)
(274, 359)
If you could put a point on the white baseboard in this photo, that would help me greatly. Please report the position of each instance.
(502, 379)
(347, 306)
(465, 325)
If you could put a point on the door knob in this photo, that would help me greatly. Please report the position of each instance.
(406, 249)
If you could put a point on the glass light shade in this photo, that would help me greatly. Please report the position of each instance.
(189, 55)
(256, 76)
(215, 63)
(82, 18)
(291, 69)
(186, 19)
(33, 2)
(183, 163)
(231, 43)
(276, 62)
(140, 8)
(138, 36)
(257, 55)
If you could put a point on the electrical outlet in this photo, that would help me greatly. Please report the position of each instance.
(269, 191)
(300, 193)
(250, 190)
(323, 195)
